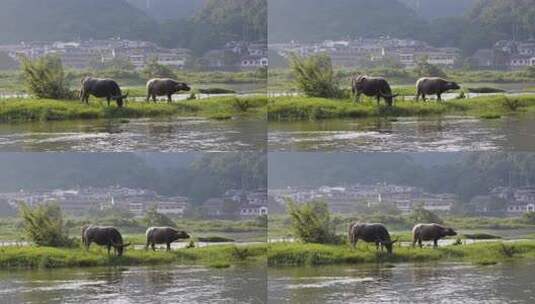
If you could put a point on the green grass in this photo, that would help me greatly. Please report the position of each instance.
(309, 108)
(20, 110)
(47, 257)
(296, 254)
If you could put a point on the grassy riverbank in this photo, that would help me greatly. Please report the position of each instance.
(47, 257)
(309, 108)
(296, 254)
(20, 110)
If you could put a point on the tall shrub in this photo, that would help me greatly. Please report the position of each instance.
(45, 77)
(44, 225)
(315, 76)
(311, 222)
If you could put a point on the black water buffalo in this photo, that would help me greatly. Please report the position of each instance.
(434, 85)
(430, 232)
(164, 87)
(163, 235)
(370, 233)
(372, 86)
(101, 88)
(103, 236)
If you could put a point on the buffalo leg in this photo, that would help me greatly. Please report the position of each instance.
(435, 243)
(153, 245)
(169, 98)
(109, 248)
(423, 97)
(420, 243)
(357, 97)
(378, 99)
(168, 246)
(439, 97)
(154, 98)
(108, 99)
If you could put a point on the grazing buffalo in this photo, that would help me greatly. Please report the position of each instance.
(164, 235)
(370, 233)
(102, 88)
(372, 86)
(430, 232)
(103, 236)
(434, 85)
(164, 87)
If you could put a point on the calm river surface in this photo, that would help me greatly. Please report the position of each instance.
(404, 283)
(191, 284)
(410, 134)
(162, 135)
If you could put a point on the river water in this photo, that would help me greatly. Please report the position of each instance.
(162, 135)
(403, 283)
(176, 284)
(409, 134)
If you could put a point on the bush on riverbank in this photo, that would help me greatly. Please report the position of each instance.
(295, 254)
(44, 225)
(309, 108)
(48, 257)
(20, 110)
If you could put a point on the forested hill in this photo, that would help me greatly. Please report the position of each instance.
(27, 20)
(200, 25)
(195, 175)
(169, 9)
(466, 24)
(312, 20)
(466, 174)
(432, 9)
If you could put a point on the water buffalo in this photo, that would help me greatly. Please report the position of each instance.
(370, 233)
(101, 88)
(164, 87)
(434, 85)
(430, 232)
(372, 86)
(163, 235)
(103, 236)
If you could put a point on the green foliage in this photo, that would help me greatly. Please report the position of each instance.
(311, 222)
(50, 258)
(17, 110)
(45, 77)
(155, 70)
(529, 218)
(154, 219)
(424, 69)
(422, 215)
(287, 254)
(44, 225)
(315, 76)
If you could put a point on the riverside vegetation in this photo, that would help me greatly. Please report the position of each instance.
(317, 243)
(54, 243)
(326, 94)
(53, 94)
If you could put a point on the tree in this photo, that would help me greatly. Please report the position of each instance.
(153, 218)
(311, 222)
(45, 77)
(314, 75)
(155, 70)
(425, 69)
(44, 225)
(422, 215)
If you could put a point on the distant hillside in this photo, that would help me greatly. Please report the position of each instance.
(71, 19)
(307, 20)
(200, 25)
(432, 9)
(169, 9)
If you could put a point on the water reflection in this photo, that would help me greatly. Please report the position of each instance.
(403, 283)
(449, 133)
(191, 284)
(163, 135)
